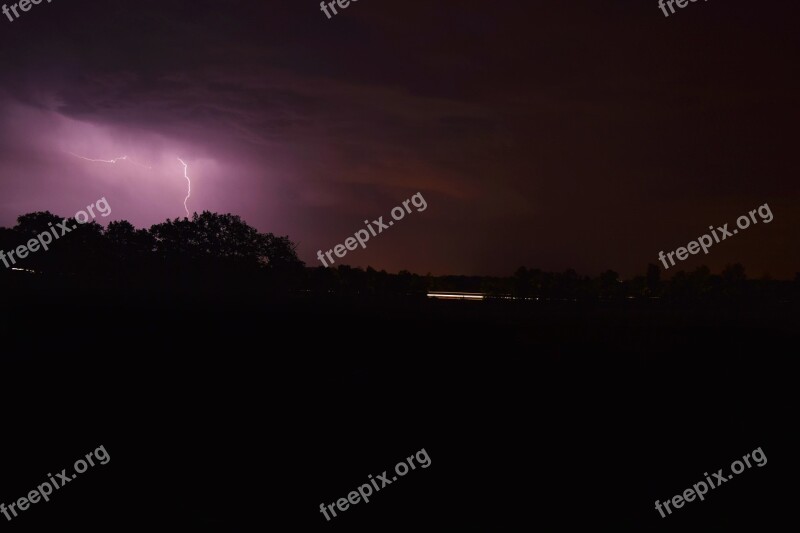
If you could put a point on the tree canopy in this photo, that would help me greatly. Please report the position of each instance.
(208, 243)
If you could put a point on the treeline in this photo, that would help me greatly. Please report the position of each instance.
(208, 247)
(732, 282)
(213, 251)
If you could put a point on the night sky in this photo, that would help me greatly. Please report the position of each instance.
(569, 134)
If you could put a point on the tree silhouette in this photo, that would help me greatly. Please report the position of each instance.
(223, 250)
(223, 238)
(210, 244)
(653, 279)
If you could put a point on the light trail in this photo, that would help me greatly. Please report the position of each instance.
(457, 295)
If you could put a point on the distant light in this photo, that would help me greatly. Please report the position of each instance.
(24, 270)
(457, 295)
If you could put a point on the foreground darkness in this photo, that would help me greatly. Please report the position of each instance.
(225, 408)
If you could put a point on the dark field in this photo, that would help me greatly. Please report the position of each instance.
(228, 411)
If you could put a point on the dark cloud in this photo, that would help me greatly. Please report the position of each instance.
(580, 134)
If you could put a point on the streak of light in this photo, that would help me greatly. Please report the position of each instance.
(456, 295)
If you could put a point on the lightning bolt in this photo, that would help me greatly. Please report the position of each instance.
(186, 175)
(125, 158)
(112, 161)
